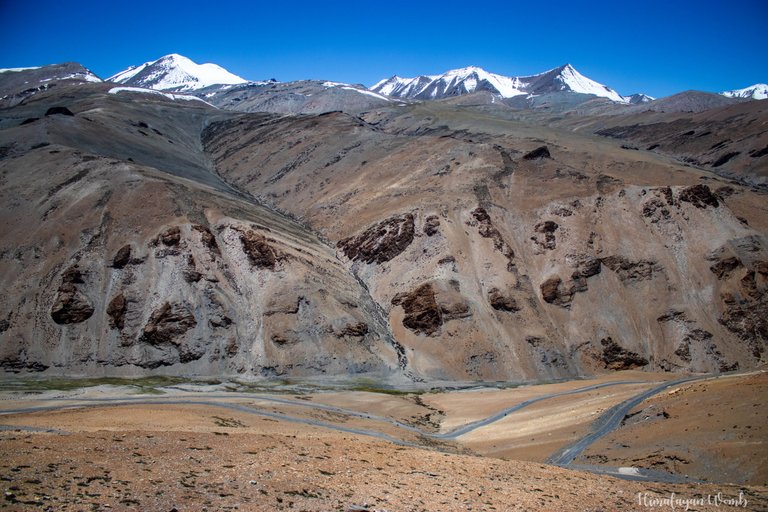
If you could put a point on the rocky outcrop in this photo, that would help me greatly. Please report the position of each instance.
(208, 239)
(699, 196)
(486, 229)
(427, 308)
(501, 302)
(552, 291)
(723, 268)
(122, 257)
(170, 237)
(616, 357)
(422, 315)
(547, 229)
(431, 225)
(632, 271)
(380, 242)
(64, 111)
(260, 253)
(555, 291)
(745, 313)
(71, 305)
(358, 329)
(167, 324)
(116, 310)
(656, 210)
(538, 153)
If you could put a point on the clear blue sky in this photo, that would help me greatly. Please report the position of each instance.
(654, 47)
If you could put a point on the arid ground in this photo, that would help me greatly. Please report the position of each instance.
(215, 447)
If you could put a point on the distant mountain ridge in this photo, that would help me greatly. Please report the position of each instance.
(753, 92)
(176, 73)
(472, 79)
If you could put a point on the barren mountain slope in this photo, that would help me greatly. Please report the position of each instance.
(731, 141)
(496, 259)
(122, 253)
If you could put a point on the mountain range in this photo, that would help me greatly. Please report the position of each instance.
(177, 73)
(472, 79)
(169, 225)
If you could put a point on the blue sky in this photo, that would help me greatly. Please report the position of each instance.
(654, 47)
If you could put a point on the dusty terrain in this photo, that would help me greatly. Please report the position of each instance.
(200, 446)
(711, 430)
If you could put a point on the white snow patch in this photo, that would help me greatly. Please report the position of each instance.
(629, 471)
(754, 92)
(16, 70)
(174, 97)
(367, 93)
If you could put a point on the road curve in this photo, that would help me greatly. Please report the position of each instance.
(212, 400)
(607, 422)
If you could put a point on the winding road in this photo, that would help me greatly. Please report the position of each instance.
(606, 423)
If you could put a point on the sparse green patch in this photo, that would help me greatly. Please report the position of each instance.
(228, 422)
(370, 388)
(144, 384)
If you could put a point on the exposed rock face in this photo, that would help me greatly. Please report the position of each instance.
(116, 311)
(71, 306)
(422, 315)
(171, 236)
(168, 323)
(58, 111)
(656, 210)
(427, 309)
(380, 242)
(616, 357)
(358, 329)
(260, 253)
(555, 291)
(632, 271)
(538, 153)
(208, 239)
(723, 268)
(546, 228)
(700, 196)
(431, 225)
(502, 302)
(487, 230)
(586, 266)
(122, 257)
(551, 291)
(746, 311)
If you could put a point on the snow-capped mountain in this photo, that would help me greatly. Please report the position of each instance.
(753, 92)
(175, 73)
(472, 79)
(639, 98)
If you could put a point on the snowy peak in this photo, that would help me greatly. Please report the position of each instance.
(639, 98)
(753, 92)
(176, 73)
(472, 79)
(572, 80)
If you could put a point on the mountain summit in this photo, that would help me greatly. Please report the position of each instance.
(753, 92)
(176, 73)
(471, 79)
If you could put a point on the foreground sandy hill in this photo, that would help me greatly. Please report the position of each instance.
(287, 468)
(205, 449)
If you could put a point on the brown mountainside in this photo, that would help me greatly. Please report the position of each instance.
(427, 241)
